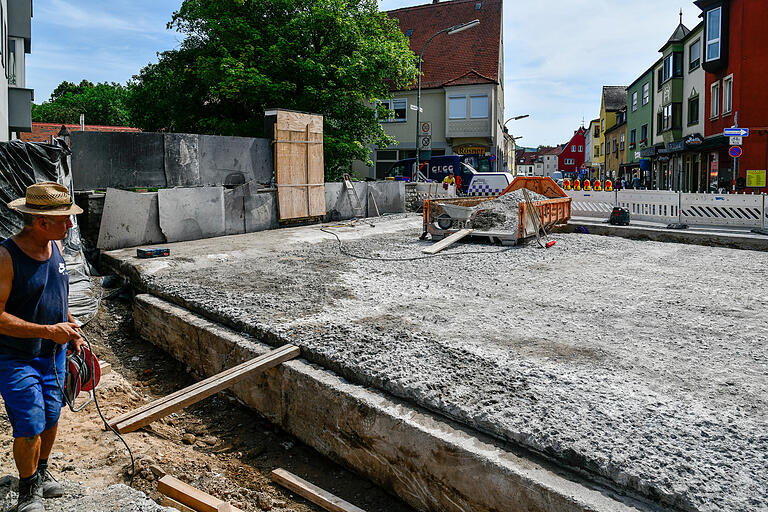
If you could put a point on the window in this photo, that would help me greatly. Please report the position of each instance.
(634, 101)
(478, 106)
(457, 107)
(671, 117)
(602, 148)
(646, 93)
(693, 110)
(398, 107)
(632, 138)
(667, 67)
(581, 149)
(659, 121)
(659, 77)
(714, 107)
(615, 146)
(573, 149)
(644, 133)
(597, 150)
(713, 31)
(597, 131)
(694, 55)
(602, 124)
(621, 142)
(727, 94)
(673, 66)
(570, 161)
(12, 62)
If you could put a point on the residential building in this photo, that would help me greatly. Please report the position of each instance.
(15, 43)
(615, 148)
(733, 55)
(640, 113)
(571, 158)
(462, 89)
(526, 163)
(592, 146)
(547, 161)
(694, 177)
(614, 98)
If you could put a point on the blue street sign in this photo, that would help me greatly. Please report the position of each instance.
(736, 132)
(735, 151)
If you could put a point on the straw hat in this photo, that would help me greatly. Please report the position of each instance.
(46, 198)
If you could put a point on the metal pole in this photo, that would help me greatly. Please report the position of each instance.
(418, 108)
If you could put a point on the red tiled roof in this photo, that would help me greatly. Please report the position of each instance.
(466, 58)
(42, 132)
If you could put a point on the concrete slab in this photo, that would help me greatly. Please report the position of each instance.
(191, 213)
(234, 160)
(339, 201)
(260, 207)
(432, 463)
(645, 368)
(234, 211)
(129, 219)
(182, 159)
(389, 197)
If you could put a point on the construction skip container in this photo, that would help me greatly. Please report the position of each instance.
(443, 217)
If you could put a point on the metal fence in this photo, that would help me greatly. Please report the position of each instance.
(738, 210)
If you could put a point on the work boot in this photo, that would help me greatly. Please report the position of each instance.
(51, 487)
(31, 494)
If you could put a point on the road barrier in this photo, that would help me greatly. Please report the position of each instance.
(737, 210)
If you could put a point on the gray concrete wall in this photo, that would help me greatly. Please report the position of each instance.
(339, 201)
(387, 196)
(140, 160)
(431, 463)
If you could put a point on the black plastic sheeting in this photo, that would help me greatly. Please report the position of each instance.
(23, 164)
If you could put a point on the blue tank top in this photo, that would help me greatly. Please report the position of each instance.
(39, 294)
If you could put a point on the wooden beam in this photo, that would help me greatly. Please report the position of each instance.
(312, 492)
(445, 242)
(170, 502)
(201, 390)
(190, 496)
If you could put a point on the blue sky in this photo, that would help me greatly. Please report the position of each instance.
(558, 53)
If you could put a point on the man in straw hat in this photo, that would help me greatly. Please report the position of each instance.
(34, 323)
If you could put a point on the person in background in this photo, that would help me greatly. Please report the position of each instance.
(448, 181)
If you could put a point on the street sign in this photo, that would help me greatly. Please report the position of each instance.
(736, 140)
(735, 151)
(425, 142)
(736, 132)
(425, 128)
(414, 107)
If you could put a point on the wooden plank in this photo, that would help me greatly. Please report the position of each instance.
(194, 394)
(447, 241)
(146, 407)
(105, 368)
(170, 502)
(190, 496)
(312, 492)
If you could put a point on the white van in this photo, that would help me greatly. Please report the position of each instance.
(488, 183)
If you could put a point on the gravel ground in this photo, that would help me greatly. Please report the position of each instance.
(642, 363)
(114, 498)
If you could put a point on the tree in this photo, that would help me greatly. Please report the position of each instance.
(239, 57)
(102, 103)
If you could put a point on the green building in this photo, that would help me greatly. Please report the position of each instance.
(640, 125)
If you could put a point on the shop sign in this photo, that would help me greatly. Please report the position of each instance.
(756, 178)
(664, 158)
(676, 146)
(637, 155)
(470, 150)
(694, 140)
(651, 151)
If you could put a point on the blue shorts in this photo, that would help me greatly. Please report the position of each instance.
(32, 398)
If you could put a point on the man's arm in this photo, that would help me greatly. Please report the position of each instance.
(14, 326)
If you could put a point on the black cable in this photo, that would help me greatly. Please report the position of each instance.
(95, 401)
(413, 258)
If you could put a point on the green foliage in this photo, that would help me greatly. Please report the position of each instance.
(102, 103)
(240, 57)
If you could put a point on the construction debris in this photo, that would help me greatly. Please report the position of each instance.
(312, 492)
(190, 496)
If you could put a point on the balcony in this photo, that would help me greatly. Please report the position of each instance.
(20, 21)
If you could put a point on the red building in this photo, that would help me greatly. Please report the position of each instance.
(571, 157)
(735, 59)
(42, 132)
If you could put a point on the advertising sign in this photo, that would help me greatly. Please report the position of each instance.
(756, 178)
(470, 150)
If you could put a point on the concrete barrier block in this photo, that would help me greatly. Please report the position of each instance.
(234, 160)
(339, 200)
(182, 159)
(389, 197)
(191, 213)
(129, 219)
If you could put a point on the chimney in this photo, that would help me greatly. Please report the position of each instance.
(435, 1)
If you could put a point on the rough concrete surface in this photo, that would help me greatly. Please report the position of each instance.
(642, 363)
(83, 499)
(191, 213)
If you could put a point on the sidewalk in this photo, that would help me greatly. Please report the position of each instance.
(719, 236)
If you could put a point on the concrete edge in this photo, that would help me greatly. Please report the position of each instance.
(430, 462)
(671, 236)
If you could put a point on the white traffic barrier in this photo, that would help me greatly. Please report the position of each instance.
(592, 204)
(650, 205)
(742, 210)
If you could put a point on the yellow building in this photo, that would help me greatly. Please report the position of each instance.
(614, 98)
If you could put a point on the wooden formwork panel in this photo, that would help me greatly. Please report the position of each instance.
(299, 165)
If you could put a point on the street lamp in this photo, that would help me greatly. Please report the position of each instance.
(450, 31)
(513, 139)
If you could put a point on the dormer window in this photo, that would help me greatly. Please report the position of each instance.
(714, 31)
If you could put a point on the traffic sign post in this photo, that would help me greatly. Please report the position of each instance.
(736, 140)
(735, 151)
